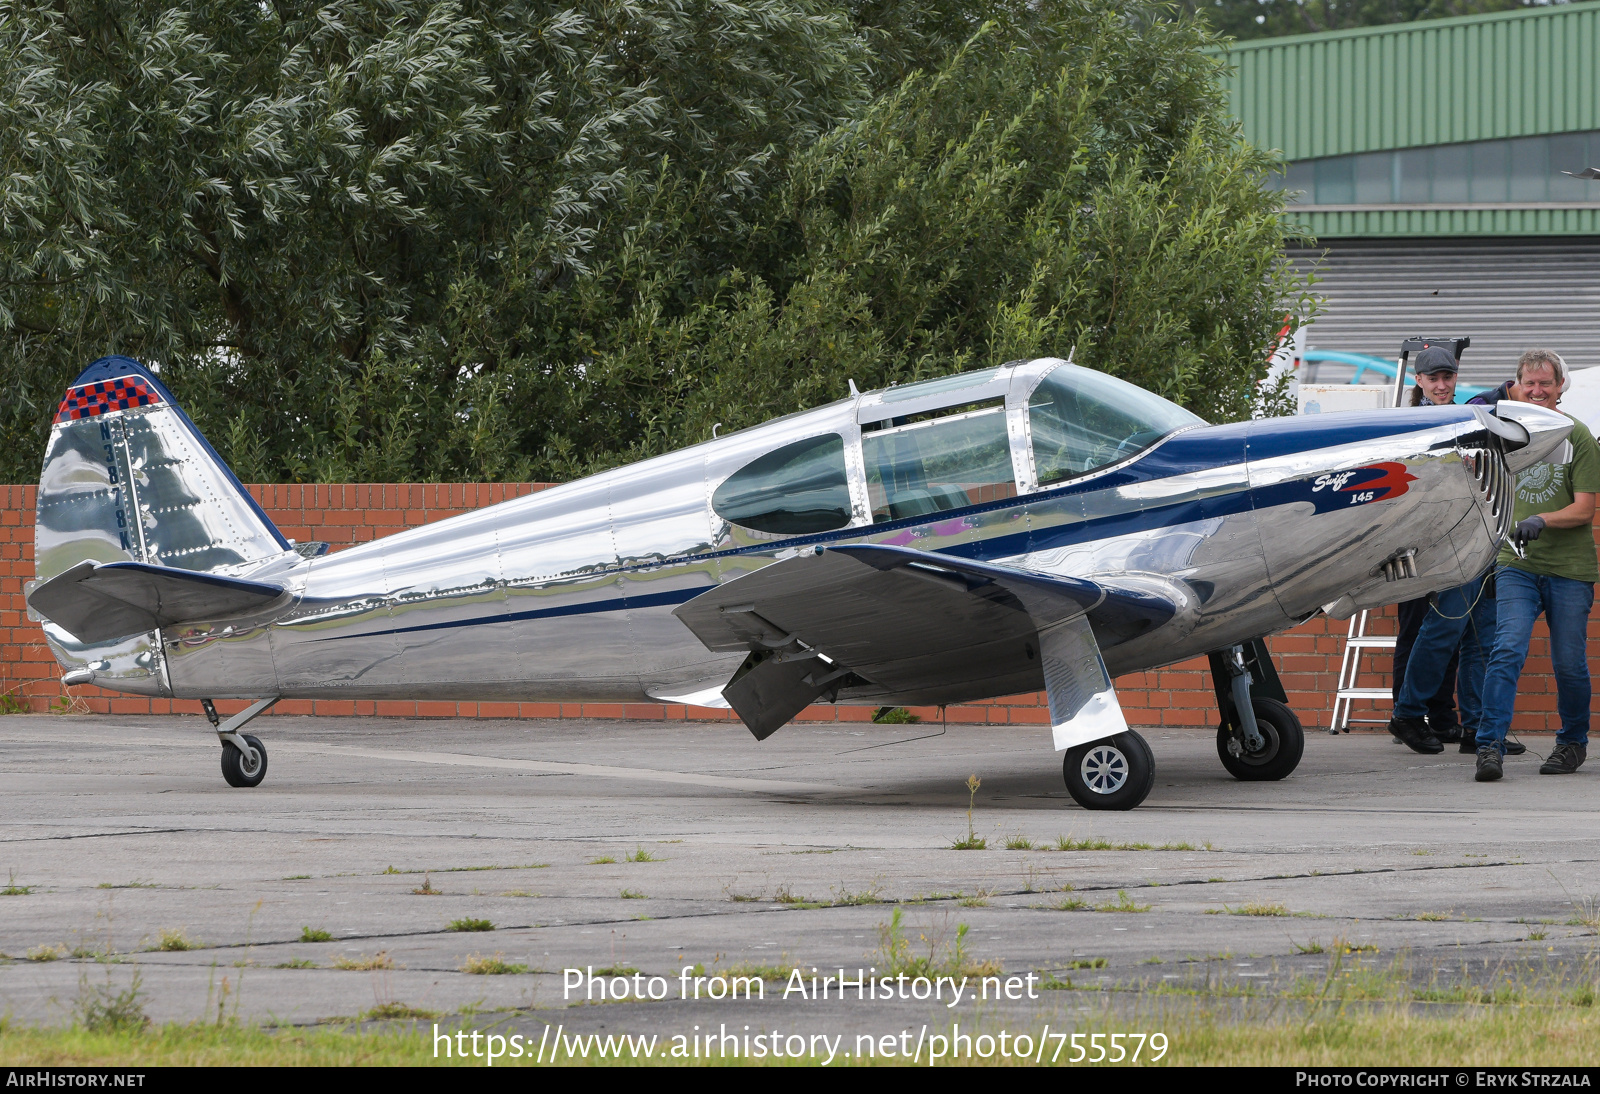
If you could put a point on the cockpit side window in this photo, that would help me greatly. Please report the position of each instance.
(791, 491)
(917, 469)
(1081, 420)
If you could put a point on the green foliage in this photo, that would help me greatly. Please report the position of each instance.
(419, 240)
(1245, 19)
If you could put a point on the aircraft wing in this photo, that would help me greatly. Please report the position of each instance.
(96, 601)
(911, 621)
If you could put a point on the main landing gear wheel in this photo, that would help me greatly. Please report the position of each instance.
(242, 770)
(1114, 773)
(1285, 741)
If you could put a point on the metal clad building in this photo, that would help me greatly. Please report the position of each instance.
(1428, 160)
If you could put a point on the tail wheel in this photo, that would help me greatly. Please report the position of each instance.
(238, 769)
(1114, 773)
(1284, 743)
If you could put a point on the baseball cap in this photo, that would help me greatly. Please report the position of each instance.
(1436, 359)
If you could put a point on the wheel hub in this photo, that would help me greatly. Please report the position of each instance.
(1104, 769)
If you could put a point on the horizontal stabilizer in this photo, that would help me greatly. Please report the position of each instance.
(95, 602)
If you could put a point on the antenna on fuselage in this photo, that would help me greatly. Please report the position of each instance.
(853, 390)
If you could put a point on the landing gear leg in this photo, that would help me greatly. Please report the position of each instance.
(1260, 739)
(244, 758)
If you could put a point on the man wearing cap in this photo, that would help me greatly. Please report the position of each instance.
(1554, 576)
(1436, 371)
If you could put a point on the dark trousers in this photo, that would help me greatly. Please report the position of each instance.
(1441, 708)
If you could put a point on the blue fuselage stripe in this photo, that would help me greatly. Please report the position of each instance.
(1191, 451)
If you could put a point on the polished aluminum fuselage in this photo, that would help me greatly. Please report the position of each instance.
(568, 594)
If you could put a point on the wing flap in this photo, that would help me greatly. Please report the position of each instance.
(915, 622)
(95, 602)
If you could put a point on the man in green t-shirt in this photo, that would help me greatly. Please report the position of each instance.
(1554, 577)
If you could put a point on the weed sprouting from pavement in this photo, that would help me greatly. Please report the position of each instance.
(101, 1008)
(398, 1010)
(426, 888)
(633, 894)
(945, 954)
(12, 888)
(315, 934)
(296, 963)
(603, 860)
(641, 855)
(1257, 909)
(467, 923)
(1019, 842)
(363, 963)
(973, 841)
(497, 965)
(176, 940)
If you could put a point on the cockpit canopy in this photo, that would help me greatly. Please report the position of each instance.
(949, 444)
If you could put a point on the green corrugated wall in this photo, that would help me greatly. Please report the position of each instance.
(1481, 77)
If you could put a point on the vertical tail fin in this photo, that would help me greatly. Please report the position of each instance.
(128, 477)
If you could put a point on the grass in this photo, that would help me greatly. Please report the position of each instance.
(296, 963)
(315, 934)
(176, 941)
(1088, 963)
(497, 965)
(1257, 909)
(1123, 903)
(1491, 1035)
(633, 894)
(1432, 917)
(603, 860)
(426, 888)
(12, 888)
(363, 963)
(467, 923)
(1019, 842)
(616, 970)
(47, 953)
(398, 1010)
(641, 855)
(1067, 843)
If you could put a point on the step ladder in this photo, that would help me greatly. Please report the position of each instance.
(1357, 642)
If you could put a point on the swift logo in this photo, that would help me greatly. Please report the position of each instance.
(1377, 482)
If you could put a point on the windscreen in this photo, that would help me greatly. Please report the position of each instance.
(1081, 420)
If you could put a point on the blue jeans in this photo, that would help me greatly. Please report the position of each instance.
(1461, 619)
(1565, 604)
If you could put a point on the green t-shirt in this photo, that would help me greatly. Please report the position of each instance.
(1546, 487)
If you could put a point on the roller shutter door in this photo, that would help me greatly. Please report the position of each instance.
(1507, 295)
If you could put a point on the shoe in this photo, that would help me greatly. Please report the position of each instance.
(1490, 767)
(1445, 733)
(1564, 760)
(1413, 733)
(1515, 748)
(1469, 745)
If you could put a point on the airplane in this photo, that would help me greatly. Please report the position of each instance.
(1037, 525)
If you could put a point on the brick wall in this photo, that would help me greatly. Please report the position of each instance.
(1179, 696)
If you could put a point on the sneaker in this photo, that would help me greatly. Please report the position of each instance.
(1413, 733)
(1515, 748)
(1564, 760)
(1469, 744)
(1490, 766)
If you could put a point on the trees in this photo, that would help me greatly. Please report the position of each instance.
(402, 239)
